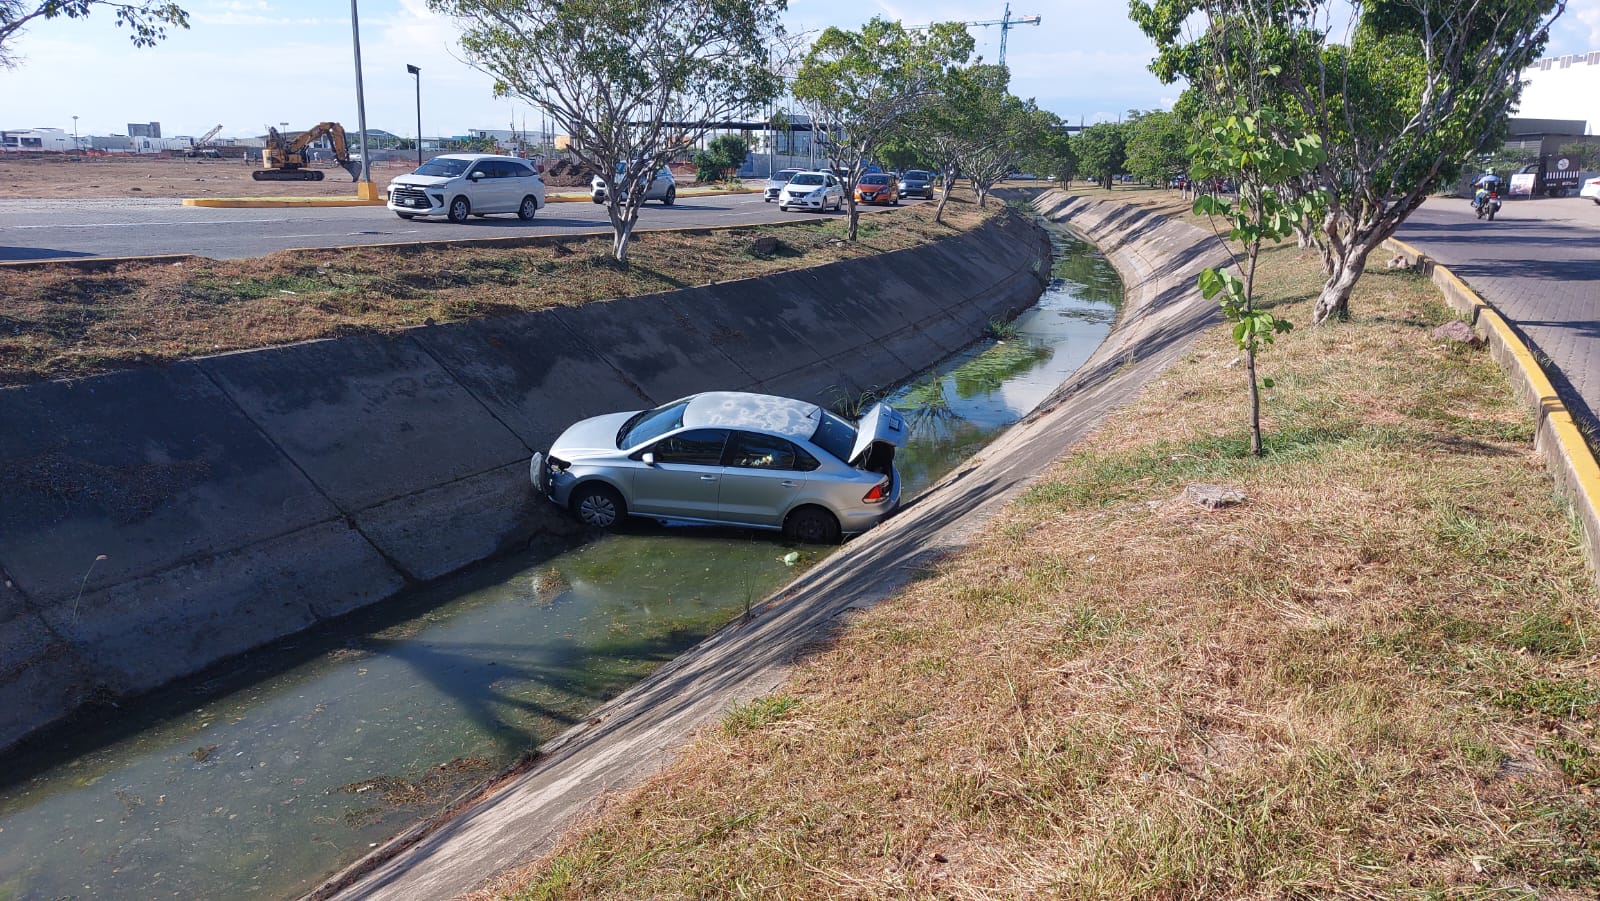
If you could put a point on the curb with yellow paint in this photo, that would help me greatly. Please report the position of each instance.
(239, 203)
(1557, 437)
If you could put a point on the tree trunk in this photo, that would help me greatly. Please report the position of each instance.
(1344, 270)
(850, 201)
(1255, 401)
(944, 198)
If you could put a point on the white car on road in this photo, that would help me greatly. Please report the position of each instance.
(812, 191)
(458, 185)
(1591, 190)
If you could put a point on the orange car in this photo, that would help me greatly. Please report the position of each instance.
(877, 188)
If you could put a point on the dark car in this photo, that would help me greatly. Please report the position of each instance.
(916, 183)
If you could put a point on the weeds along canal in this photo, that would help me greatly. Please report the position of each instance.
(262, 776)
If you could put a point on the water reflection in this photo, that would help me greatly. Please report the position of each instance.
(325, 745)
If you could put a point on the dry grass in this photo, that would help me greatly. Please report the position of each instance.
(60, 320)
(1378, 678)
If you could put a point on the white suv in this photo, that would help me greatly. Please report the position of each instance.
(458, 185)
(662, 187)
(812, 191)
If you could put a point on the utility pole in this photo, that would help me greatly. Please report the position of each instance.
(365, 189)
(417, 71)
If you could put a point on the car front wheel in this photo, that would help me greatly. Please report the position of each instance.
(811, 525)
(528, 209)
(671, 198)
(599, 506)
(460, 209)
(406, 215)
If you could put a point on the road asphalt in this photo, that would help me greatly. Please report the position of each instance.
(69, 229)
(1538, 263)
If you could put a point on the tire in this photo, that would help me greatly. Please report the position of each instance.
(459, 210)
(528, 209)
(811, 525)
(784, 209)
(671, 198)
(1558, 193)
(406, 215)
(599, 506)
(598, 200)
(1491, 214)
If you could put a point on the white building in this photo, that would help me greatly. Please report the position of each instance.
(54, 139)
(1563, 87)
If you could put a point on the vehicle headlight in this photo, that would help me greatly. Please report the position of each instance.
(816, 193)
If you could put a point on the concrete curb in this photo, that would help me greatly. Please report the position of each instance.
(1557, 437)
(240, 203)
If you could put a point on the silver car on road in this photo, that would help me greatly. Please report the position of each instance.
(730, 458)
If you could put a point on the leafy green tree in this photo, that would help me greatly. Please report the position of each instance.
(1053, 153)
(629, 81)
(1158, 147)
(1102, 151)
(147, 22)
(1246, 148)
(861, 87)
(723, 156)
(1417, 87)
(903, 151)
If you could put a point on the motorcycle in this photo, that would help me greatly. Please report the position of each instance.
(1488, 206)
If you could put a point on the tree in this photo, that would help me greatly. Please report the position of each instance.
(860, 87)
(1053, 153)
(954, 120)
(631, 82)
(146, 21)
(725, 155)
(1158, 147)
(1245, 148)
(1102, 151)
(1419, 87)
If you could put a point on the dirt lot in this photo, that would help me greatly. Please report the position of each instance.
(84, 177)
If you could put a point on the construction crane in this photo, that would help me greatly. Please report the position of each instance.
(199, 148)
(1006, 23)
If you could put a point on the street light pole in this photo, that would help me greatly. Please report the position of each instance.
(365, 189)
(417, 71)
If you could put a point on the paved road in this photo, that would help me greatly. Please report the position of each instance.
(54, 229)
(1539, 264)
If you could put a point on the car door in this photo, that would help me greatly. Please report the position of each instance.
(764, 473)
(684, 478)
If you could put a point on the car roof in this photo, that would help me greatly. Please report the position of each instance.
(793, 419)
(478, 156)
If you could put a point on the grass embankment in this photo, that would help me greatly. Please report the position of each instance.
(1379, 677)
(61, 321)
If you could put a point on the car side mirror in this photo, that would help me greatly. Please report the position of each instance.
(649, 458)
(476, 175)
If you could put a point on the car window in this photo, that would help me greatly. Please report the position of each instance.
(647, 425)
(875, 179)
(785, 174)
(807, 178)
(696, 447)
(752, 451)
(443, 167)
(519, 170)
(835, 435)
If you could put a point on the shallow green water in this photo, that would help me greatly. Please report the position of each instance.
(261, 778)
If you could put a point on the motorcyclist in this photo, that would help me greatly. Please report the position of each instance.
(1486, 184)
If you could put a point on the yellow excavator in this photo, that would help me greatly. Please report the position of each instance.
(284, 158)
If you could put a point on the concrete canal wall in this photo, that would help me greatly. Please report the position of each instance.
(157, 520)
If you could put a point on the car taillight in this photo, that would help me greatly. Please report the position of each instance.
(878, 494)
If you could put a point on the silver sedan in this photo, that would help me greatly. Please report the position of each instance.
(730, 458)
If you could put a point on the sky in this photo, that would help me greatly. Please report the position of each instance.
(244, 64)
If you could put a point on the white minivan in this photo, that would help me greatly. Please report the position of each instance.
(458, 185)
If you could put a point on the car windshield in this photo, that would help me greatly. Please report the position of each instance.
(651, 424)
(443, 167)
(785, 174)
(835, 435)
(874, 179)
(806, 178)
(916, 175)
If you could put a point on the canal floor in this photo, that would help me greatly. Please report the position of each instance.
(261, 777)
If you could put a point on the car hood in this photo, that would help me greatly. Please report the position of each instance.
(881, 423)
(590, 437)
(803, 189)
(421, 181)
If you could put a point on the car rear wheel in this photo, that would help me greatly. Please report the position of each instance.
(671, 198)
(459, 210)
(599, 506)
(811, 525)
(529, 207)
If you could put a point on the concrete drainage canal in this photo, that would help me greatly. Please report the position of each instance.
(267, 773)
